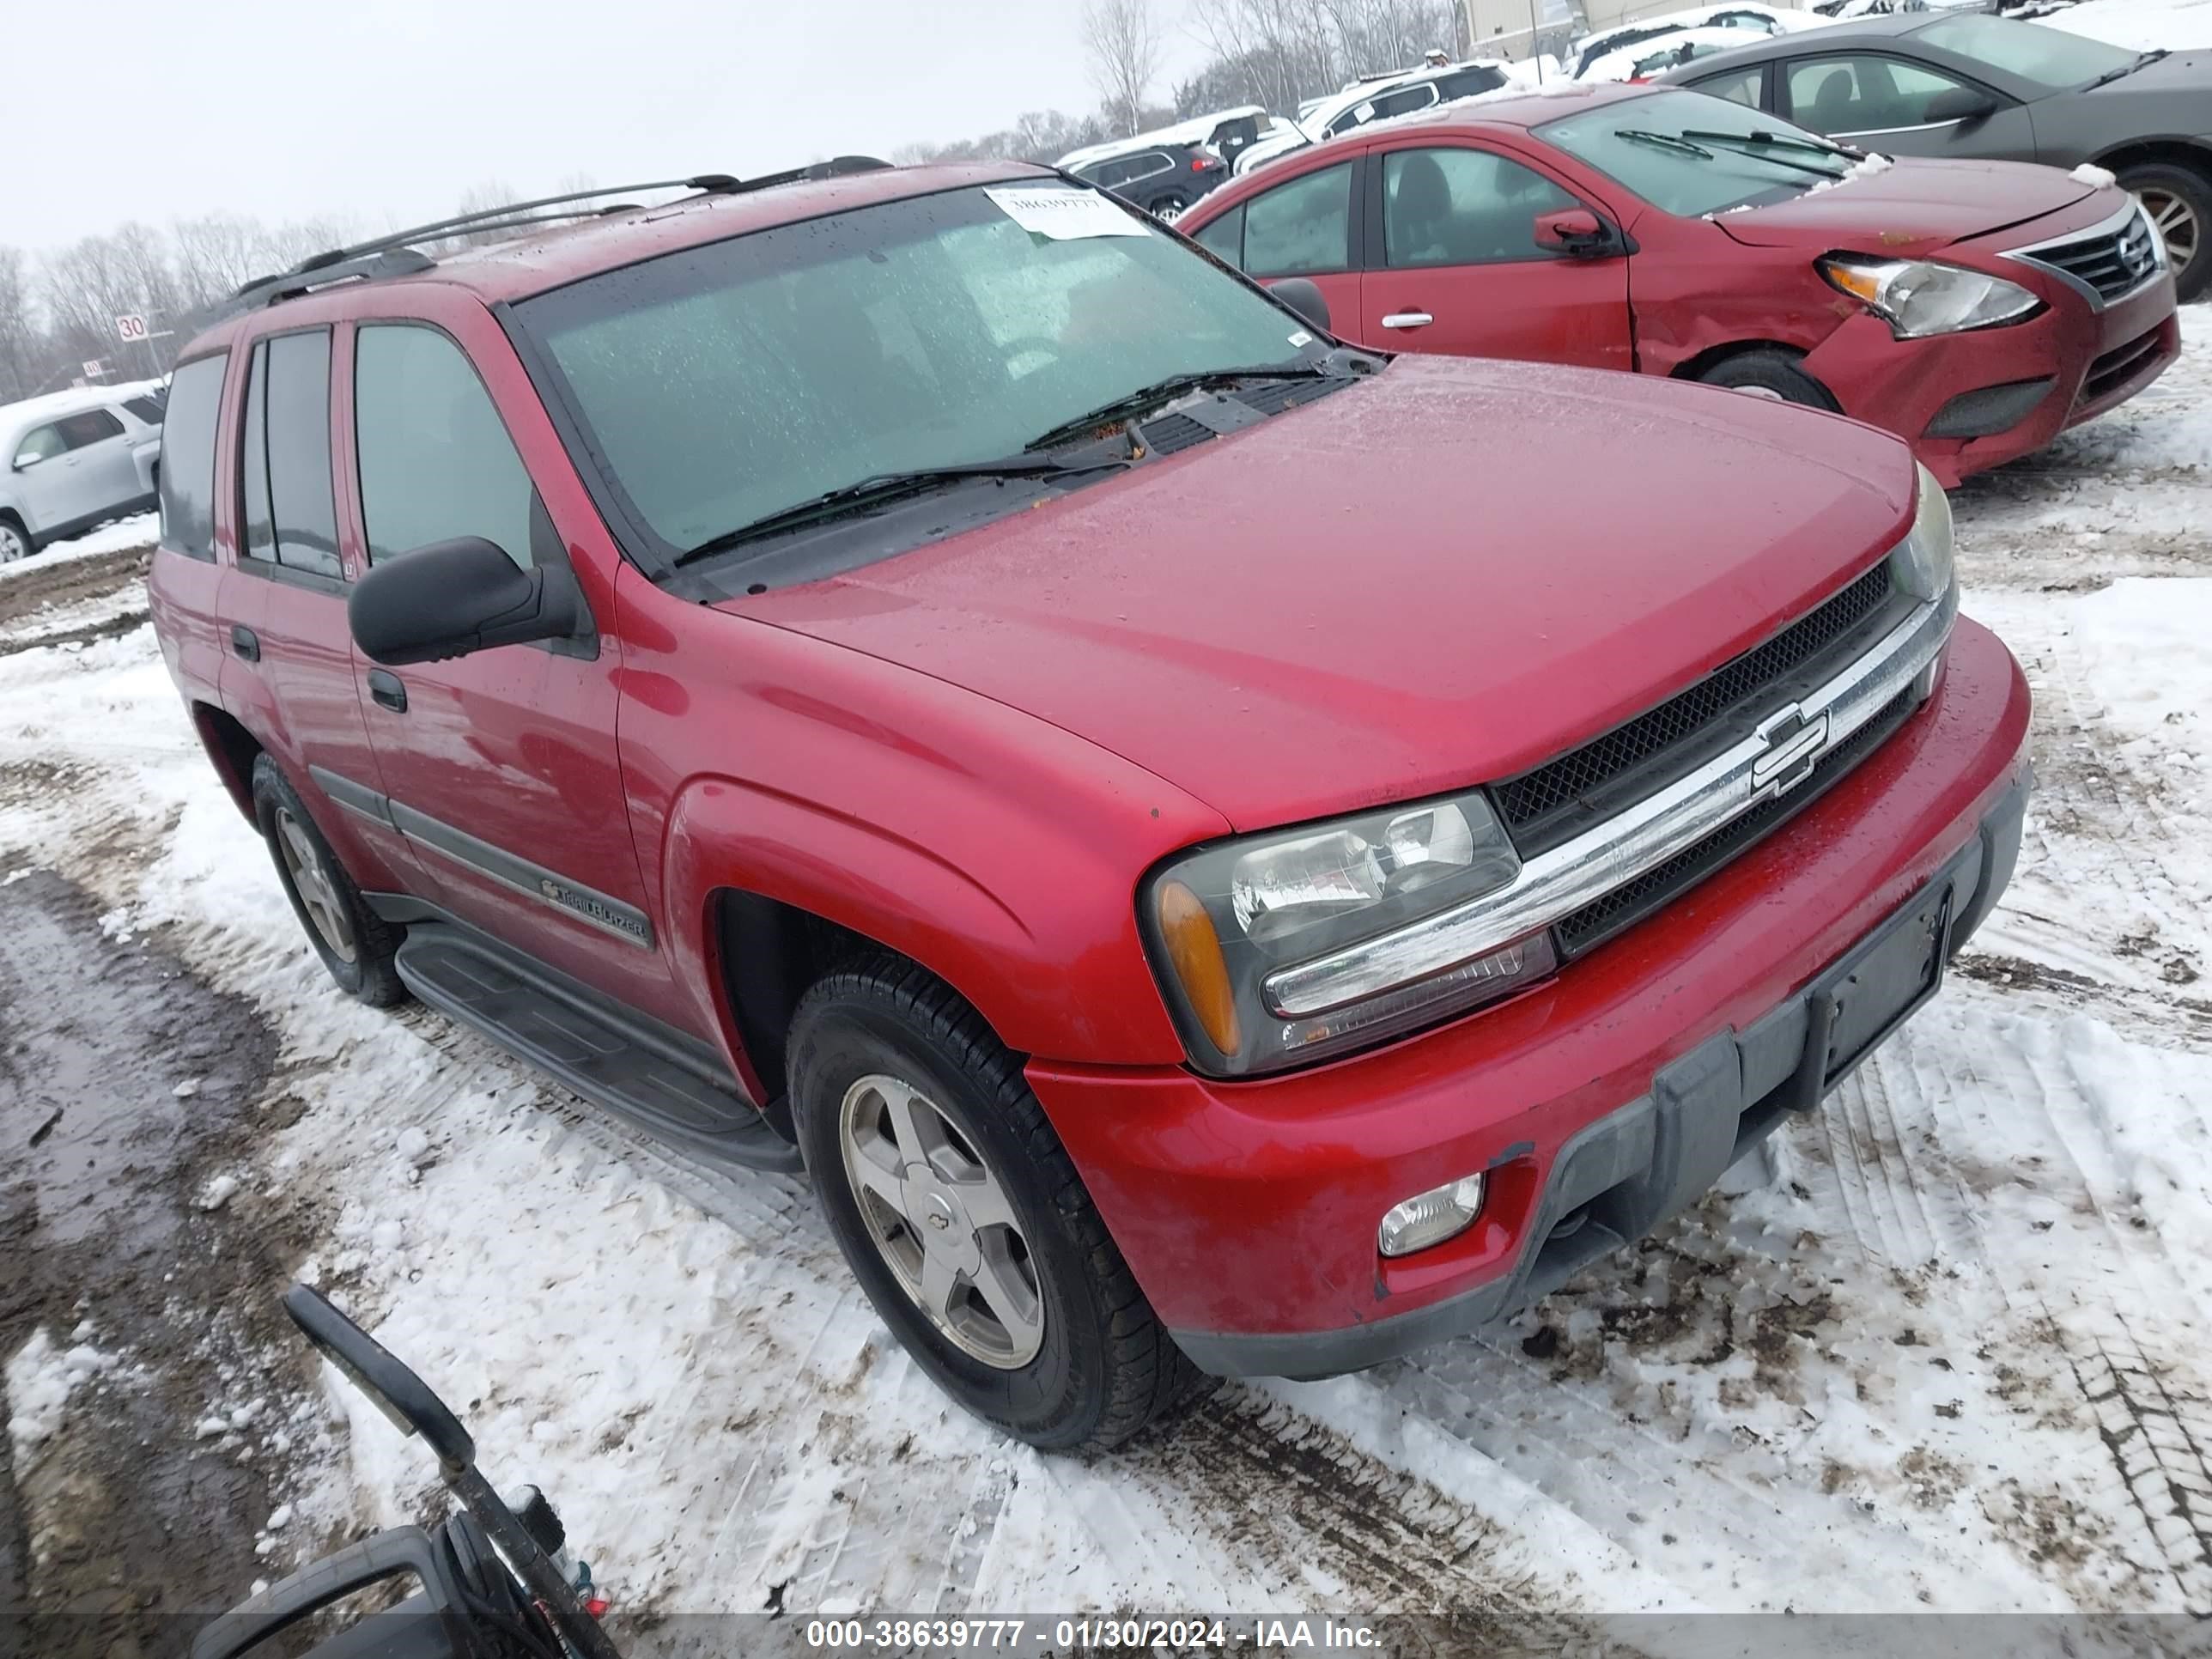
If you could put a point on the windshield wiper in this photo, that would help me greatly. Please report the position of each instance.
(1752, 149)
(881, 487)
(2143, 60)
(1131, 402)
(1774, 141)
(1664, 141)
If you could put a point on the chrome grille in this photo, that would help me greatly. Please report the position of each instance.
(2113, 260)
(1548, 805)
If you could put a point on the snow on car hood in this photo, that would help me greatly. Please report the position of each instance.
(1442, 577)
(1909, 209)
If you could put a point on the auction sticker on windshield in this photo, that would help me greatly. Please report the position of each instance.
(1066, 215)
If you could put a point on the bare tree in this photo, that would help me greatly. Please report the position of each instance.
(1122, 38)
(20, 342)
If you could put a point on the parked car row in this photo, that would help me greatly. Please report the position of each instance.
(851, 671)
(1974, 308)
(75, 459)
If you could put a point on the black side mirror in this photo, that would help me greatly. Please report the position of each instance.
(1304, 298)
(1962, 104)
(452, 598)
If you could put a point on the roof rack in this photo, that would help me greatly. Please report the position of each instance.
(394, 255)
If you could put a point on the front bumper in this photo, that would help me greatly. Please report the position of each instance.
(1248, 1211)
(2086, 361)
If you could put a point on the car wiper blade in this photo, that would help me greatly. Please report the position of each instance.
(1766, 140)
(2143, 60)
(1752, 150)
(1173, 386)
(1664, 141)
(881, 487)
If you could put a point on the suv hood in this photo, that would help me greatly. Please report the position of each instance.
(1909, 209)
(1415, 584)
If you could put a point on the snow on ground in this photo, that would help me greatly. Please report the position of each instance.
(2176, 25)
(1943, 1347)
(41, 1376)
(137, 531)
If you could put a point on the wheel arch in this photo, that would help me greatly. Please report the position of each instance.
(2172, 152)
(232, 749)
(1696, 367)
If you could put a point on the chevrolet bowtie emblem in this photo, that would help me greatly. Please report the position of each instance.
(1793, 744)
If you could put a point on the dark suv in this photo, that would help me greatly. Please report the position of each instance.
(929, 676)
(1162, 180)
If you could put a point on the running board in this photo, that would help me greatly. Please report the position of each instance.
(654, 1076)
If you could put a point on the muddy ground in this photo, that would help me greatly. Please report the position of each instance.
(127, 1090)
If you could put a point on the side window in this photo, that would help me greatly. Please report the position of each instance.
(435, 460)
(92, 426)
(188, 457)
(1862, 92)
(146, 408)
(1302, 226)
(284, 468)
(1738, 87)
(1225, 236)
(1463, 207)
(41, 443)
(1468, 83)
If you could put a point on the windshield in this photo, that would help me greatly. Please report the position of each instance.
(1735, 157)
(726, 382)
(2052, 58)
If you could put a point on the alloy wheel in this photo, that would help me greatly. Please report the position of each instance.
(311, 880)
(12, 544)
(2177, 222)
(941, 1220)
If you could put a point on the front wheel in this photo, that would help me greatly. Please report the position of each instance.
(2180, 203)
(964, 1218)
(1768, 370)
(15, 541)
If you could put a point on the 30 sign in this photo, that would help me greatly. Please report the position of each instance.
(130, 326)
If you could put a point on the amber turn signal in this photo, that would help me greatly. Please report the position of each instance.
(1194, 951)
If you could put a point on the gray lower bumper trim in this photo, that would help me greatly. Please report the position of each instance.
(1620, 1177)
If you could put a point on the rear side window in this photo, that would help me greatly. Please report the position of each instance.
(1738, 86)
(1300, 228)
(146, 408)
(1469, 83)
(188, 457)
(1224, 236)
(285, 456)
(435, 460)
(92, 426)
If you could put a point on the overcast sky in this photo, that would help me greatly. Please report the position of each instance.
(155, 110)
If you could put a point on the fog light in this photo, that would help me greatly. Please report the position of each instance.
(1431, 1217)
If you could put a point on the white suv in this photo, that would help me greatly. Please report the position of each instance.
(72, 459)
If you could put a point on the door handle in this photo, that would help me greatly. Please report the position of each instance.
(245, 642)
(1407, 319)
(387, 690)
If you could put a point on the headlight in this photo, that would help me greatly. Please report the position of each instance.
(1226, 923)
(1919, 297)
(1923, 560)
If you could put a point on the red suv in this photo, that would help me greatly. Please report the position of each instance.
(1218, 851)
(1977, 308)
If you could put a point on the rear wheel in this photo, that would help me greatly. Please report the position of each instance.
(1766, 369)
(355, 945)
(15, 540)
(964, 1218)
(1171, 206)
(2180, 203)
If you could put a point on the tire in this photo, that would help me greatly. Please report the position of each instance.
(1170, 208)
(1098, 1367)
(16, 542)
(2179, 200)
(1766, 369)
(355, 945)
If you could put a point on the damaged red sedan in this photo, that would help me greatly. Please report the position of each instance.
(1976, 308)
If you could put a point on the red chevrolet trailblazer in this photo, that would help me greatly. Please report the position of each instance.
(1977, 308)
(1219, 853)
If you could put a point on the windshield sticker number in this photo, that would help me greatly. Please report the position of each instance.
(1300, 338)
(1066, 215)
